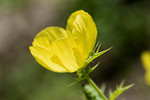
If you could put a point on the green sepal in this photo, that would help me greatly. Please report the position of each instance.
(119, 89)
(83, 74)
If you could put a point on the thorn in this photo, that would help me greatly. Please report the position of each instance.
(98, 48)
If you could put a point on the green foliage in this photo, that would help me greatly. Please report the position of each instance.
(91, 93)
(119, 89)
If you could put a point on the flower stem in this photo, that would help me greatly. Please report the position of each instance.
(96, 88)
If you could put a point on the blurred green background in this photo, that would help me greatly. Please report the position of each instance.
(123, 24)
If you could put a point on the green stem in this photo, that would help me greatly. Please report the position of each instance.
(96, 88)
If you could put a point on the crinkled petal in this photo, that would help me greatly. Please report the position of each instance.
(44, 38)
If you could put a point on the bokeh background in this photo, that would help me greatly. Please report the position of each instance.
(123, 24)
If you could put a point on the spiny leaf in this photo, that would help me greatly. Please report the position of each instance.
(95, 55)
(100, 53)
(120, 89)
(76, 81)
(121, 84)
(93, 68)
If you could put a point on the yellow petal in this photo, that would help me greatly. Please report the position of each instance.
(44, 57)
(146, 59)
(46, 36)
(64, 49)
(81, 25)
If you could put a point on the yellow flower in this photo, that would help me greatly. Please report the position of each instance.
(147, 77)
(146, 59)
(66, 50)
(146, 63)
